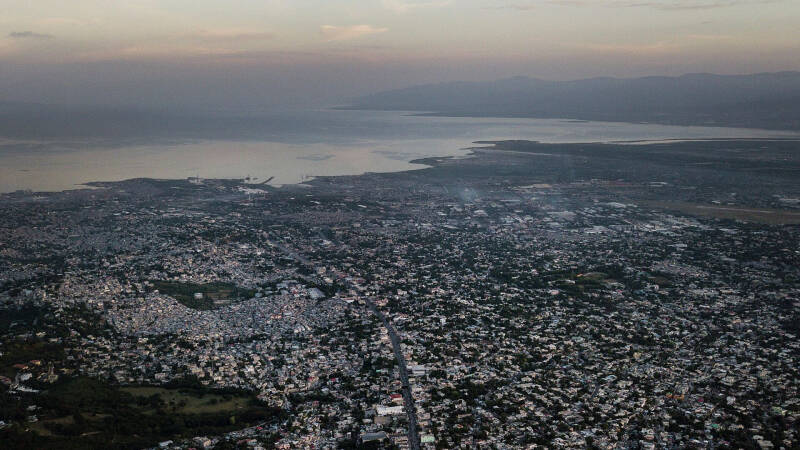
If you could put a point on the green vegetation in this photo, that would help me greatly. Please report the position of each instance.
(22, 352)
(84, 413)
(212, 293)
(770, 216)
(23, 317)
(192, 401)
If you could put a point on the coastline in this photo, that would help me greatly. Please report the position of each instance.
(479, 149)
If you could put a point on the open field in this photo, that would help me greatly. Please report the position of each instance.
(86, 413)
(758, 215)
(192, 402)
(213, 294)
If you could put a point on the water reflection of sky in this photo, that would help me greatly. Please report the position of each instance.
(324, 143)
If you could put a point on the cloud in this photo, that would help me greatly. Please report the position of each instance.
(517, 7)
(404, 6)
(710, 37)
(29, 35)
(235, 35)
(669, 5)
(657, 48)
(334, 33)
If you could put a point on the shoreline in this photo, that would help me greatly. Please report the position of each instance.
(522, 115)
(426, 163)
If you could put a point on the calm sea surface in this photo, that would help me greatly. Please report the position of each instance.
(295, 146)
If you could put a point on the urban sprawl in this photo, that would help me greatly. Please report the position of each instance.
(524, 297)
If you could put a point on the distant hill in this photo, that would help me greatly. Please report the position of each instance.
(764, 100)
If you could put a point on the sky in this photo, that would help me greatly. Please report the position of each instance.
(278, 53)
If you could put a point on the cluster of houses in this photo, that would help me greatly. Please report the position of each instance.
(526, 318)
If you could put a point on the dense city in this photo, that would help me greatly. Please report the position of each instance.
(528, 296)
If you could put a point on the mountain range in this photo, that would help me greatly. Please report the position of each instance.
(763, 100)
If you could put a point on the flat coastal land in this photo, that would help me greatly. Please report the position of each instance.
(526, 295)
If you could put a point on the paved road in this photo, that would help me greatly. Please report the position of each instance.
(291, 253)
(476, 425)
(408, 400)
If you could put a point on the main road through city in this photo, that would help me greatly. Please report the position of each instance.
(408, 400)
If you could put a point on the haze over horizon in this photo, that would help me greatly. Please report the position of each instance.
(399, 224)
(277, 54)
